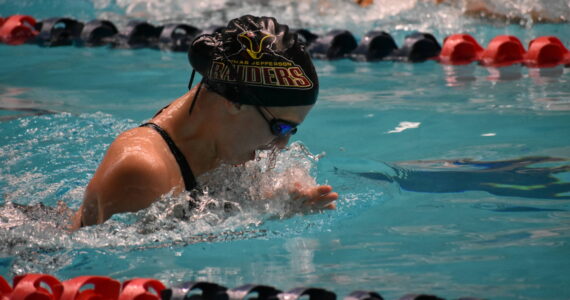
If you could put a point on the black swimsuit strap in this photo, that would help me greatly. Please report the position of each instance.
(187, 175)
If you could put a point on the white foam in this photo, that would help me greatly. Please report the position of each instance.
(322, 15)
(405, 126)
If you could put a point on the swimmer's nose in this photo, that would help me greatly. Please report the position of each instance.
(266, 147)
(281, 142)
(278, 142)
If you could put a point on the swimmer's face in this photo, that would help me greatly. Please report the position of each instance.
(253, 132)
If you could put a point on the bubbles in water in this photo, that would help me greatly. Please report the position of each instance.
(235, 202)
(48, 160)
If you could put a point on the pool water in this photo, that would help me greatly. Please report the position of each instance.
(453, 181)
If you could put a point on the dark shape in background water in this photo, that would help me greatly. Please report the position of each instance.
(513, 178)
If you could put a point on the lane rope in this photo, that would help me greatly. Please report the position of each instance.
(457, 49)
(47, 287)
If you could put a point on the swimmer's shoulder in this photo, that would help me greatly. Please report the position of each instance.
(137, 157)
(132, 175)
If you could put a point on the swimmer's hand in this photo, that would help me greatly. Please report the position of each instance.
(315, 198)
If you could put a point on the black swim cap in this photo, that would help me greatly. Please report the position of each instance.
(256, 61)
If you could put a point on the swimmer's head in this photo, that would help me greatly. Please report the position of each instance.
(256, 61)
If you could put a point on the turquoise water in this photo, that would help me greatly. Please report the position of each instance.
(452, 181)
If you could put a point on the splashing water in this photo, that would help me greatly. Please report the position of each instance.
(391, 15)
(236, 200)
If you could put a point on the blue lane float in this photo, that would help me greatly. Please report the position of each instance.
(312, 293)
(137, 34)
(98, 33)
(374, 46)
(305, 36)
(333, 45)
(417, 47)
(420, 297)
(195, 290)
(177, 37)
(262, 291)
(58, 32)
(363, 295)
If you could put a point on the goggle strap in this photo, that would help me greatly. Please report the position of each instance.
(197, 92)
(191, 79)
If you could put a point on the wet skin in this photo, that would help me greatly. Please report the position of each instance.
(138, 167)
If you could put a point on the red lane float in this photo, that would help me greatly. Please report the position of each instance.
(36, 287)
(17, 30)
(460, 49)
(503, 51)
(47, 287)
(546, 52)
(5, 289)
(141, 289)
(103, 288)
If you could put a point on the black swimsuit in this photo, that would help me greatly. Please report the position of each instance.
(189, 179)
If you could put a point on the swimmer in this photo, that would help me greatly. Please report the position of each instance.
(492, 10)
(497, 10)
(258, 85)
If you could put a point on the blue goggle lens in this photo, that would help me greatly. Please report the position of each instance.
(281, 128)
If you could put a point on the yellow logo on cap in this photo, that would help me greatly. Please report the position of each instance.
(275, 71)
(256, 43)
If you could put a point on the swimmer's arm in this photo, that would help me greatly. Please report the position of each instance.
(130, 185)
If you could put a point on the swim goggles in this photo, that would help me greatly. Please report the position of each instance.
(278, 127)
